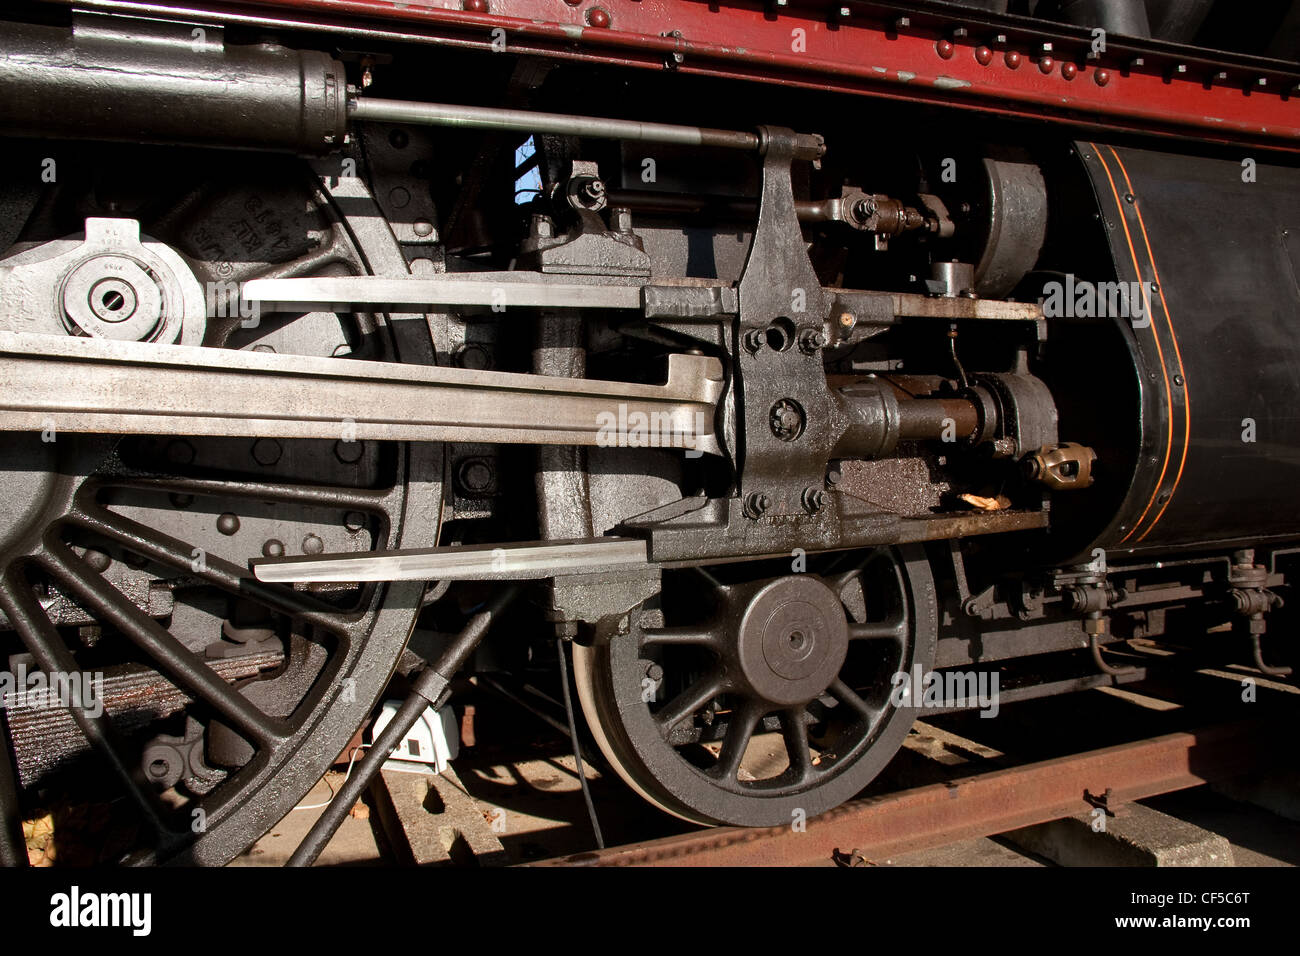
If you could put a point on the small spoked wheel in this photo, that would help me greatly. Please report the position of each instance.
(752, 700)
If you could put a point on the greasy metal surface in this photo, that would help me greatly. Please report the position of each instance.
(975, 806)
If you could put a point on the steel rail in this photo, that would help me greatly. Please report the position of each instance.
(944, 813)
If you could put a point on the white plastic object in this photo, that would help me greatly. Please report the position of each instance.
(430, 744)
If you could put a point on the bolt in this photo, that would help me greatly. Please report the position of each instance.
(266, 451)
(594, 192)
(98, 560)
(354, 521)
(786, 419)
(1012, 59)
(542, 227)
(620, 218)
(810, 340)
(476, 475)
(349, 452)
(598, 17)
(654, 672)
(756, 504)
(944, 48)
(983, 55)
(472, 356)
(848, 320)
(1069, 71)
(754, 339)
(273, 548)
(833, 474)
(312, 544)
(422, 228)
(228, 523)
(814, 499)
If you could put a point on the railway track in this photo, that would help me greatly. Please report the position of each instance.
(958, 779)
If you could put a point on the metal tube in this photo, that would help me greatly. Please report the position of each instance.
(564, 124)
(430, 689)
(158, 82)
(931, 418)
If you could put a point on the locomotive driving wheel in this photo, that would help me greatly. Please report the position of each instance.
(211, 703)
(769, 700)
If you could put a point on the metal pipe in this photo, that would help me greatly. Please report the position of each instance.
(431, 688)
(563, 124)
(159, 82)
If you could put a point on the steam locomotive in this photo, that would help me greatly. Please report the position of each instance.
(777, 364)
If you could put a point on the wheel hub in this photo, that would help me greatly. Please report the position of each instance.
(792, 641)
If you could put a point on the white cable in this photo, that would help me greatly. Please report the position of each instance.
(321, 806)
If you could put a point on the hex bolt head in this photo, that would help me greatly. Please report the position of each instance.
(756, 504)
(814, 499)
(810, 340)
(754, 340)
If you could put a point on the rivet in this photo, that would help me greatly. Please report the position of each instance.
(944, 48)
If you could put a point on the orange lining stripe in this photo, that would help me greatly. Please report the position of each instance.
(1169, 440)
(1169, 321)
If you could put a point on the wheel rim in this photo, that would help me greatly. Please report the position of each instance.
(102, 513)
(768, 707)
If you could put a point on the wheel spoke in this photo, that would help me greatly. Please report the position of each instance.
(698, 636)
(740, 731)
(794, 731)
(895, 630)
(363, 499)
(847, 696)
(42, 641)
(688, 702)
(177, 662)
(213, 570)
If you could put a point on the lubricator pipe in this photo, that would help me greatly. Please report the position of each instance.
(151, 81)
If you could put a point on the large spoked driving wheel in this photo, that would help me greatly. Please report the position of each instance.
(208, 703)
(767, 698)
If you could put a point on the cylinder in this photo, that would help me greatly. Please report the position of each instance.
(172, 83)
